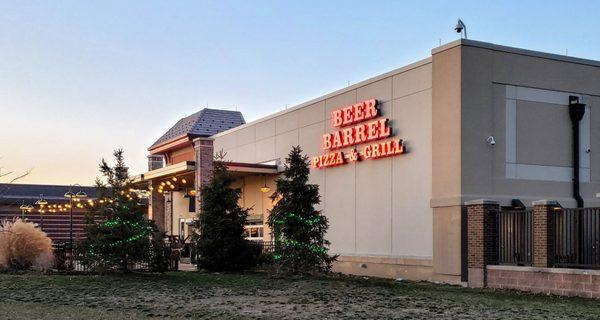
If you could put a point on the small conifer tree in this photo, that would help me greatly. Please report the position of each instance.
(221, 244)
(118, 230)
(298, 228)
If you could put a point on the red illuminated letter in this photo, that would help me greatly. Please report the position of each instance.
(372, 130)
(359, 112)
(370, 109)
(384, 130)
(347, 111)
(348, 139)
(336, 118)
(327, 141)
(337, 140)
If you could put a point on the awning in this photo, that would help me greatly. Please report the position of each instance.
(187, 167)
(168, 171)
(243, 167)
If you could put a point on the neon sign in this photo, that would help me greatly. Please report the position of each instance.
(357, 124)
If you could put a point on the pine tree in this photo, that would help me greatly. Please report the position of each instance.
(221, 244)
(118, 232)
(299, 229)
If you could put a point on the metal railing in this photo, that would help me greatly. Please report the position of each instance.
(577, 238)
(265, 246)
(69, 260)
(514, 230)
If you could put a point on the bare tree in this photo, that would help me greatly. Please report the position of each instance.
(10, 177)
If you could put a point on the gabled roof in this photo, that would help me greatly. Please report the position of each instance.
(15, 193)
(203, 123)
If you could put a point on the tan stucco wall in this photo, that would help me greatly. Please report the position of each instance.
(180, 211)
(257, 202)
(446, 162)
(543, 129)
(384, 213)
(377, 207)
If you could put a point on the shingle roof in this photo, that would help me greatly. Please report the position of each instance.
(203, 123)
(10, 193)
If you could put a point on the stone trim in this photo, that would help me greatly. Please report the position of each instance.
(545, 203)
(546, 270)
(482, 201)
(524, 52)
(564, 282)
(407, 261)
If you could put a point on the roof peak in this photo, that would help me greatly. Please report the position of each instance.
(203, 123)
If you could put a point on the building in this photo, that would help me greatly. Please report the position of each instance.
(54, 217)
(399, 155)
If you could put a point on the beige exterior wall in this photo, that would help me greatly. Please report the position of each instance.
(447, 162)
(402, 216)
(258, 202)
(377, 209)
(181, 207)
(521, 99)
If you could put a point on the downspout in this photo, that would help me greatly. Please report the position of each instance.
(576, 112)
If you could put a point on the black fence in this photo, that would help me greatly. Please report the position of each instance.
(577, 238)
(67, 259)
(265, 246)
(514, 237)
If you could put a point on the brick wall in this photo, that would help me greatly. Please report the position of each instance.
(481, 232)
(204, 164)
(565, 282)
(543, 224)
(157, 209)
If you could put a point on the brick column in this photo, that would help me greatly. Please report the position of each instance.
(204, 165)
(156, 212)
(543, 231)
(481, 239)
(168, 223)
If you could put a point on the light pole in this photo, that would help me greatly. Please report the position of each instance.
(41, 202)
(25, 208)
(77, 196)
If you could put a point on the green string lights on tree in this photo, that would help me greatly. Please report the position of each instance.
(300, 246)
(118, 231)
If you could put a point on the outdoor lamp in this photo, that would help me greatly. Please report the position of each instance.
(25, 208)
(41, 202)
(265, 188)
(73, 197)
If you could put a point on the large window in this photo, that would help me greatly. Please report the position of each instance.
(254, 230)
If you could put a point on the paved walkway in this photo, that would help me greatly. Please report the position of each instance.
(187, 267)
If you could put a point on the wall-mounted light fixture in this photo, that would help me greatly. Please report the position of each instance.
(491, 141)
(265, 188)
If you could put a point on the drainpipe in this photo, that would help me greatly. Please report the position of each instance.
(576, 112)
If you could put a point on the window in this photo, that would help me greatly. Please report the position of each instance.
(182, 228)
(254, 231)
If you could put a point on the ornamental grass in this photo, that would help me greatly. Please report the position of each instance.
(23, 246)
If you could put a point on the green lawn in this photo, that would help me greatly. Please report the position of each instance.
(258, 296)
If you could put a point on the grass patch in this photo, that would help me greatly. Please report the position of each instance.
(258, 296)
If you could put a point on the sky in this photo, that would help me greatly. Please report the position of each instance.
(79, 79)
